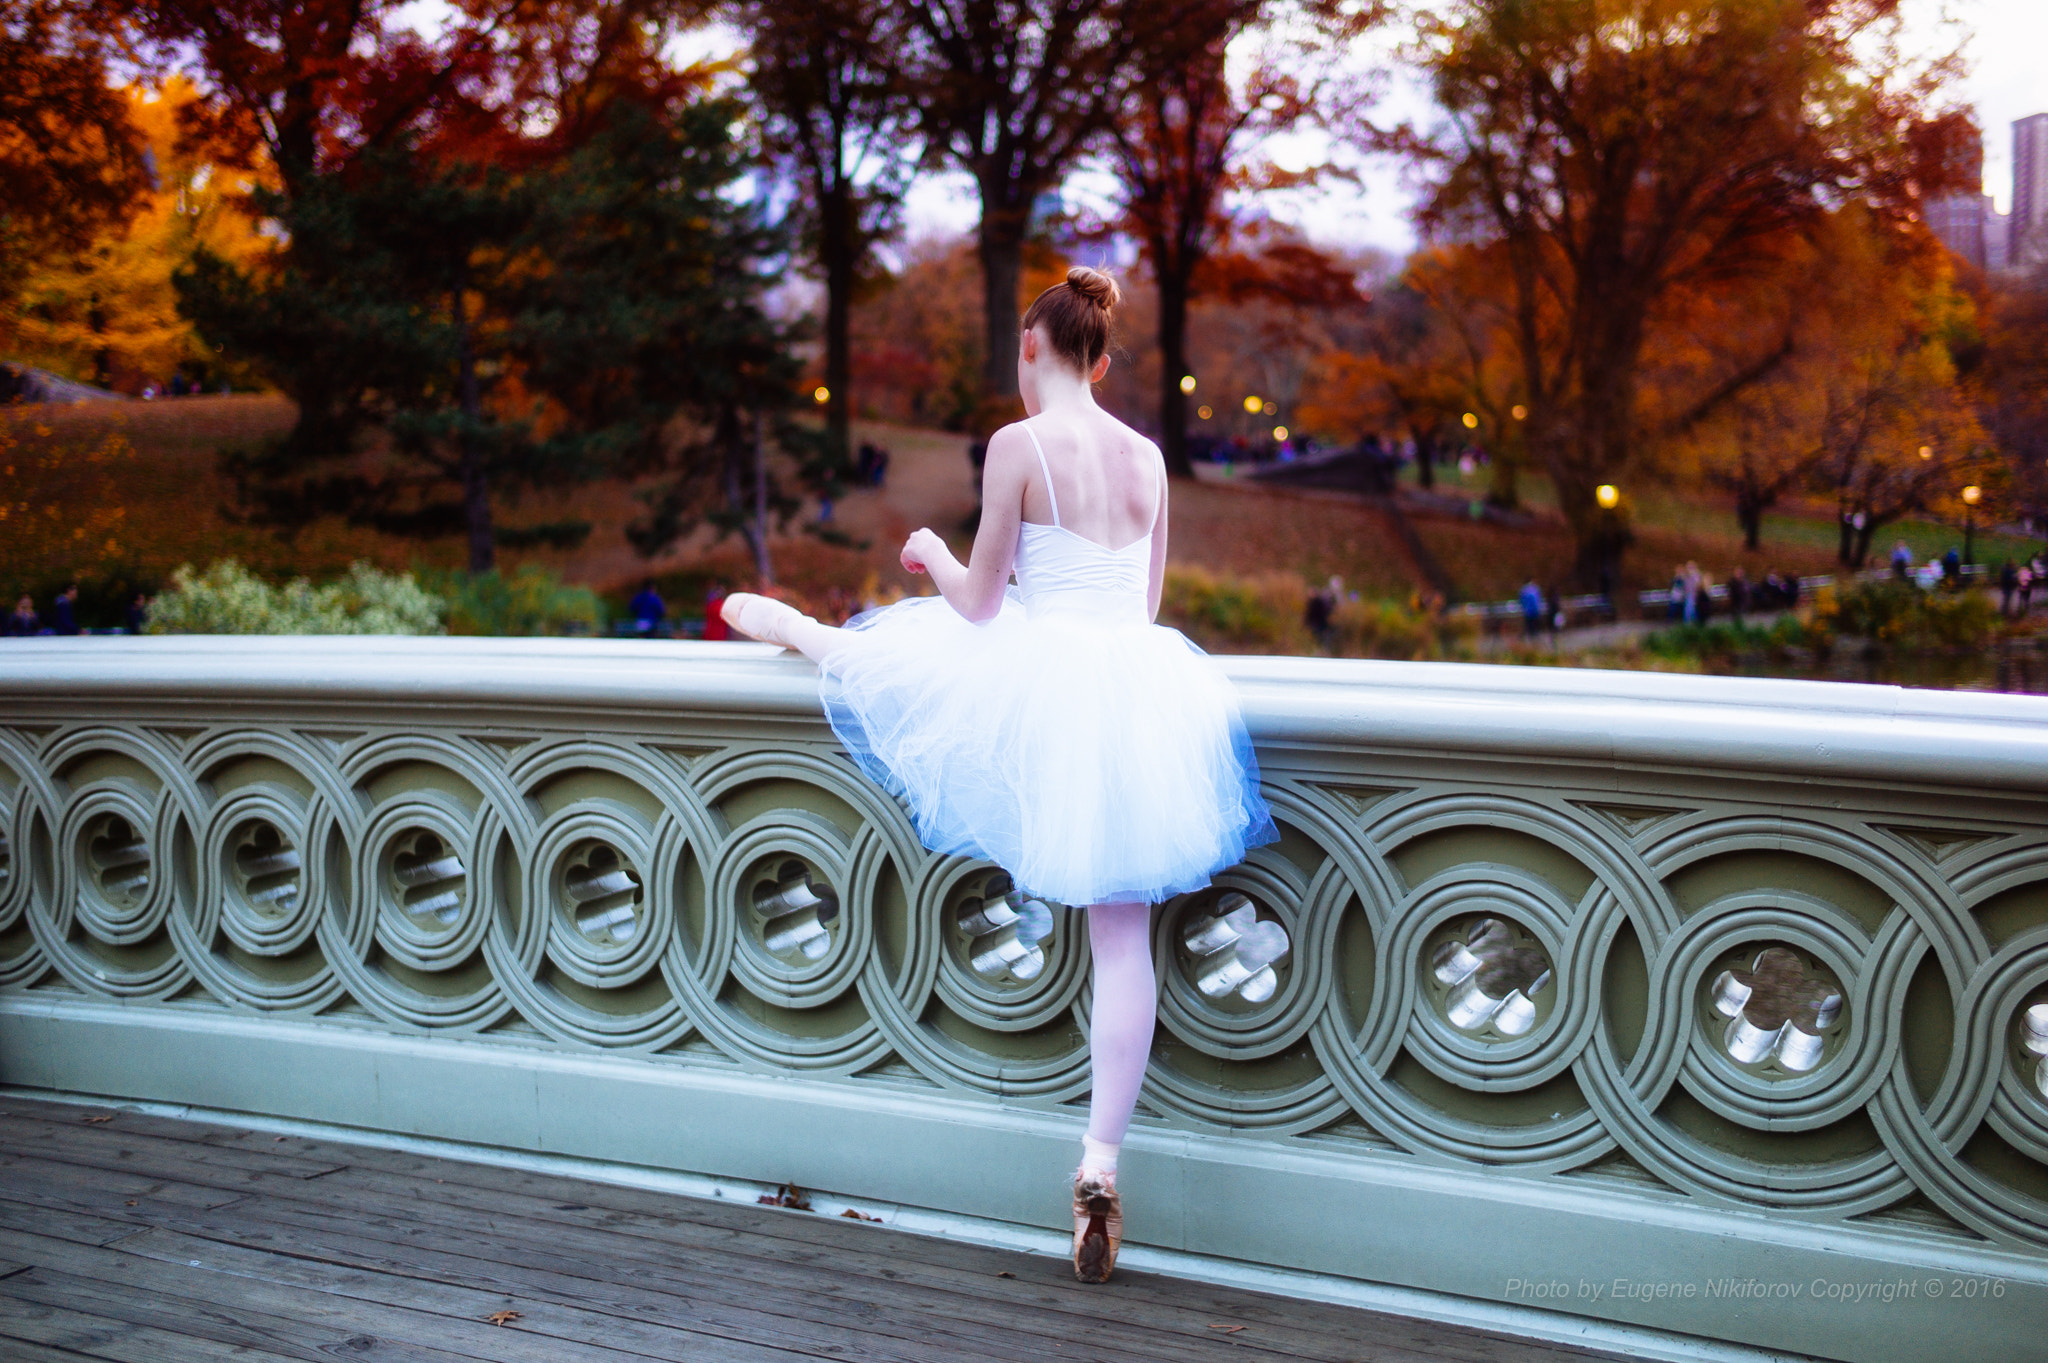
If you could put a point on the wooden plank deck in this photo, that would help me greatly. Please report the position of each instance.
(127, 1236)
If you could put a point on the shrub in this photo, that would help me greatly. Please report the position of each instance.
(533, 600)
(1264, 613)
(228, 599)
(1259, 614)
(1902, 617)
(1726, 639)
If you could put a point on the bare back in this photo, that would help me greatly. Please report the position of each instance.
(1108, 481)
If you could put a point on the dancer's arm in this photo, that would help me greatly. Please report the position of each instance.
(975, 589)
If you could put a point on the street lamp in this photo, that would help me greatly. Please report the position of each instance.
(1471, 420)
(1971, 496)
(1187, 383)
(821, 395)
(1253, 403)
(1608, 495)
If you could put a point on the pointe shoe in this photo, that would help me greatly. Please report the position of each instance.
(1098, 1225)
(757, 617)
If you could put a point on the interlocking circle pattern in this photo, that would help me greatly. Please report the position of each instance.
(1822, 1013)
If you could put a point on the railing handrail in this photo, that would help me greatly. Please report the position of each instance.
(1806, 730)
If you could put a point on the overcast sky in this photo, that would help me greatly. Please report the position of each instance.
(2006, 47)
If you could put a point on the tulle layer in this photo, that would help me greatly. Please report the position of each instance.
(1095, 760)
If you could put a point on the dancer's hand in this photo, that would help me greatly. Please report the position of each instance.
(923, 546)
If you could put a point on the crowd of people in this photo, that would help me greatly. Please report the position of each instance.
(1693, 600)
(25, 621)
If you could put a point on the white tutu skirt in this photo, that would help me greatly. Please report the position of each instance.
(1095, 761)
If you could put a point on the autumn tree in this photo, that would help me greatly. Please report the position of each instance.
(1621, 149)
(2013, 386)
(834, 109)
(72, 163)
(107, 310)
(1013, 92)
(1178, 150)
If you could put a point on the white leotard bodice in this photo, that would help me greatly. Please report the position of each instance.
(1062, 573)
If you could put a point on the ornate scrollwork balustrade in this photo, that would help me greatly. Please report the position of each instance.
(1775, 947)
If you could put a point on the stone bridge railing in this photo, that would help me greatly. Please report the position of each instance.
(1714, 1006)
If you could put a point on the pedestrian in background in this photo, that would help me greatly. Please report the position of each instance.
(64, 611)
(1532, 608)
(23, 621)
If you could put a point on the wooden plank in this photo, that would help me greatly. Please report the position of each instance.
(53, 1183)
(70, 1334)
(680, 1227)
(808, 1260)
(752, 1258)
(830, 1327)
(623, 1315)
(1007, 1328)
(906, 1253)
(297, 1322)
(112, 1146)
(80, 1228)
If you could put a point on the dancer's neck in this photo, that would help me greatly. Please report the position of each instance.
(1062, 392)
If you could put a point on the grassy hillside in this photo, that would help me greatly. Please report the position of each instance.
(122, 493)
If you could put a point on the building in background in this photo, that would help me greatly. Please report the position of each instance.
(2029, 228)
(1963, 222)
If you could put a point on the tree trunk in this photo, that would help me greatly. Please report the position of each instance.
(739, 454)
(476, 492)
(1845, 542)
(836, 246)
(762, 565)
(1173, 360)
(1425, 457)
(1749, 512)
(1002, 273)
(102, 356)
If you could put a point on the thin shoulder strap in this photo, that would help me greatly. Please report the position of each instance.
(1045, 469)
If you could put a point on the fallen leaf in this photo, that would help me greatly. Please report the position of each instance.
(1006, 1274)
(502, 1317)
(95, 1121)
(854, 1215)
(280, 1138)
(133, 1202)
(787, 1195)
(1227, 1329)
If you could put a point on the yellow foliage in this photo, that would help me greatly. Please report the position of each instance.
(109, 314)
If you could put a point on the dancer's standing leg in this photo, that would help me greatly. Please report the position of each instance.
(1119, 1042)
(1120, 1028)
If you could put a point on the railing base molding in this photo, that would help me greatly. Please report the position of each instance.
(1522, 1255)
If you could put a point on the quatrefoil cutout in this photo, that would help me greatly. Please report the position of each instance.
(797, 910)
(1779, 1010)
(428, 879)
(1235, 952)
(1491, 975)
(604, 894)
(119, 857)
(1006, 932)
(2033, 1039)
(266, 868)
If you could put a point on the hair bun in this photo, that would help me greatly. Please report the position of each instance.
(1095, 286)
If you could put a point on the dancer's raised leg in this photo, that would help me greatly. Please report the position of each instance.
(778, 622)
(1119, 1043)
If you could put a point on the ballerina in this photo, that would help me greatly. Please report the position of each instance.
(1052, 728)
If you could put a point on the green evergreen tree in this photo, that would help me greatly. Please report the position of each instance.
(506, 329)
